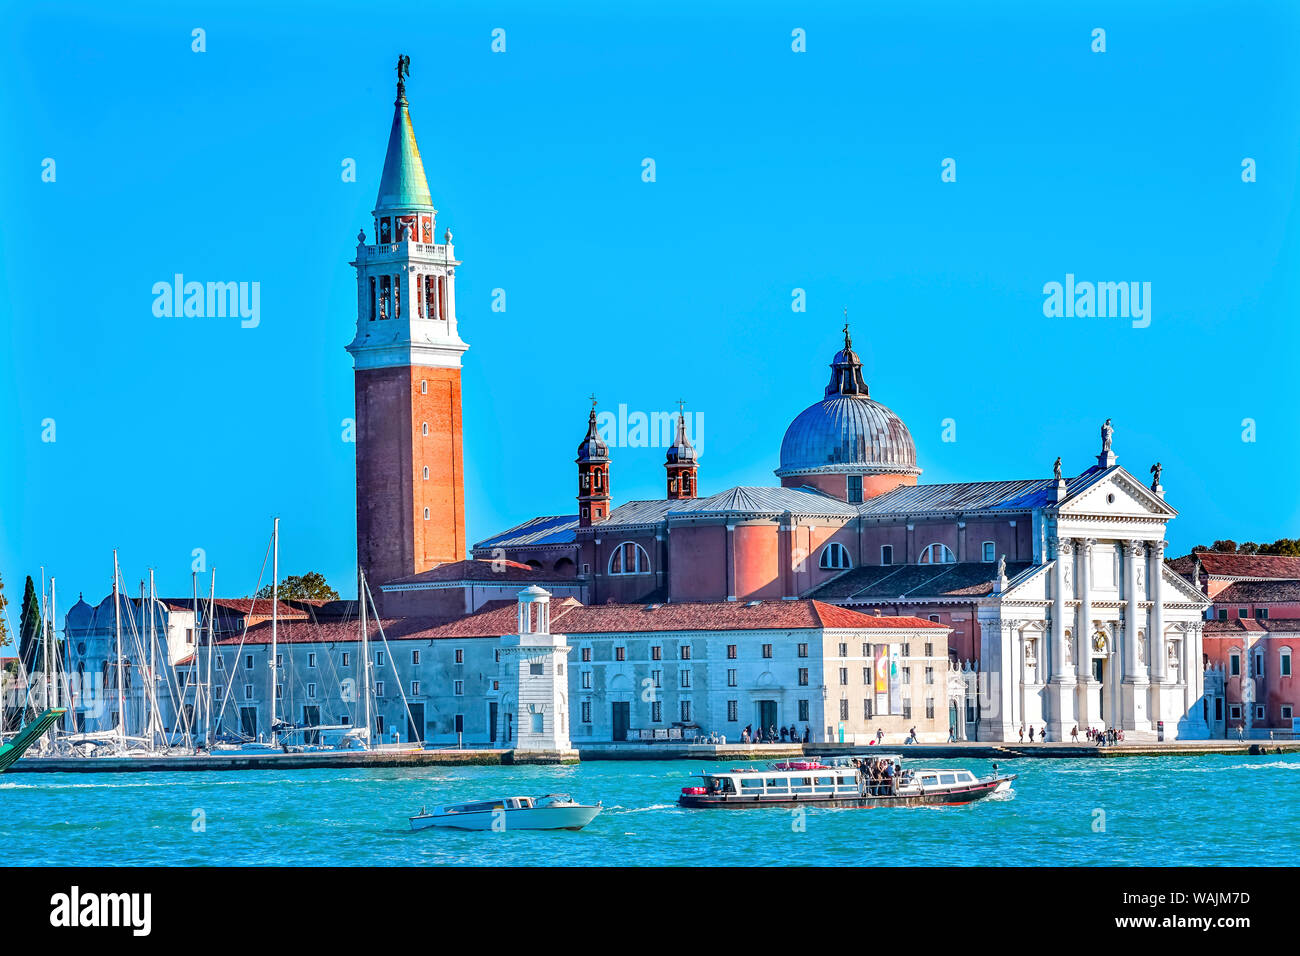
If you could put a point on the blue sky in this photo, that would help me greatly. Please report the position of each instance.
(775, 170)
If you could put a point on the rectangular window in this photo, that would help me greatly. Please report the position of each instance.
(731, 677)
(656, 678)
(379, 688)
(686, 652)
(907, 708)
(248, 692)
(1261, 614)
(415, 688)
(731, 652)
(844, 650)
(844, 709)
(311, 660)
(1285, 669)
(620, 653)
(866, 675)
(866, 650)
(379, 658)
(657, 711)
(929, 708)
(586, 655)
(248, 662)
(866, 708)
(656, 653)
(733, 710)
(929, 675)
(415, 657)
(803, 650)
(279, 691)
(803, 710)
(458, 688)
(460, 655)
(684, 679)
(844, 677)
(537, 668)
(586, 711)
(279, 661)
(686, 711)
(1234, 665)
(311, 690)
(855, 489)
(907, 675)
(1243, 612)
(1234, 712)
(989, 557)
(767, 651)
(929, 650)
(1287, 712)
(907, 650)
(586, 680)
(347, 659)
(1223, 614)
(886, 554)
(803, 677)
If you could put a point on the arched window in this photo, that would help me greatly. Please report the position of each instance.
(426, 472)
(937, 554)
(835, 557)
(426, 514)
(629, 558)
(1284, 662)
(424, 428)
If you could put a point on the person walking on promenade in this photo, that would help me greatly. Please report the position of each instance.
(1022, 733)
(880, 736)
(952, 734)
(807, 733)
(1074, 734)
(1031, 733)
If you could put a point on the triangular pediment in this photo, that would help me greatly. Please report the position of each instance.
(1114, 492)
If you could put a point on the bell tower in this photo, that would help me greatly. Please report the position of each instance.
(407, 360)
(593, 475)
(681, 461)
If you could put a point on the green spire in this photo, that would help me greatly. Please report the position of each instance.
(403, 184)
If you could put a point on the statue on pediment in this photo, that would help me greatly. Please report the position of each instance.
(1106, 433)
(1056, 468)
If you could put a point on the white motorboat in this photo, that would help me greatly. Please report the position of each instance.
(555, 811)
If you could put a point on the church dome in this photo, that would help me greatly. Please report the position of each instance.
(847, 431)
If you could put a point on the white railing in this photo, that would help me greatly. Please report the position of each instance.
(434, 250)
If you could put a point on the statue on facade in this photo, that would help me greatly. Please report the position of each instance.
(1002, 567)
(403, 71)
(1106, 433)
(1156, 469)
(1069, 649)
(1056, 468)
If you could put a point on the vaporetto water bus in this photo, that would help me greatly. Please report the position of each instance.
(875, 780)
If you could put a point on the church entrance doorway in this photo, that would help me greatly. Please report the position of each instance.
(620, 714)
(1099, 675)
(766, 715)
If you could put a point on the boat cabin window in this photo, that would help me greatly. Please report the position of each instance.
(751, 783)
(778, 784)
(929, 779)
(966, 777)
(519, 803)
(947, 778)
(825, 784)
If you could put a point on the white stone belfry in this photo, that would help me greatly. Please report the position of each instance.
(534, 685)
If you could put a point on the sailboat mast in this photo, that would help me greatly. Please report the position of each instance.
(45, 641)
(275, 607)
(212, 598)
(153, 681)
(365, 650)
(117, 624)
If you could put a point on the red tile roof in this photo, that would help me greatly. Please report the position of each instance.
(1286, 625)
(1223, 564)
(570, 617)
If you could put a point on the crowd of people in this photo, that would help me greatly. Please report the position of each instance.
(1042, 733)
(879, 777)
(774, 735)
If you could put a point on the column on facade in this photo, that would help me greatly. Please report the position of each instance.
(1059, 623)
(1133, 553)
(450, 307)
(961, 542)
(1083, 635)
(911, 544)
(1155, 584)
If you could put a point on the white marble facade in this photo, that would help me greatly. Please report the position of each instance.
(1098, 633)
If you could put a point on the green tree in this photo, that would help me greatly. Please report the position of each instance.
(311, 585)
(1289, 547)
(29, 626)
(1227, 545)
(1248, 547)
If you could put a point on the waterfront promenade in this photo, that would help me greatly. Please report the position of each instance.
(638, 751)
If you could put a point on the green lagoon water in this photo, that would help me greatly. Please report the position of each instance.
(1179, 811)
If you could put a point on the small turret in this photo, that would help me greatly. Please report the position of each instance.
(682, 462)
(593, 474)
